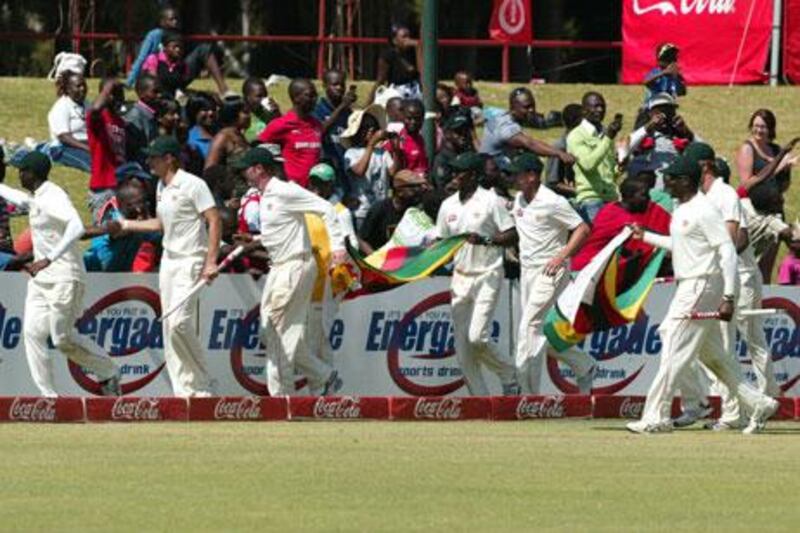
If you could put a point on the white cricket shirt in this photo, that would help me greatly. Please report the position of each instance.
(283, 226)
(180, 208)
(543, 226)
(55, 229)
(481, 214)
(697, 231)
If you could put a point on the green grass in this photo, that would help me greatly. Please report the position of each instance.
(543, 475)
(718, 114)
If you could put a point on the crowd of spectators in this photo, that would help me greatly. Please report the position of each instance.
(374, 163)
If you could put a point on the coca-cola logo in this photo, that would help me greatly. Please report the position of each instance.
(546, 407)
(136, 409)
(418, 386)
(438, 408)
(245, 408)
(344, 407)
(123, 331)
(685, 7)
(33, 410)
(631, 408)
(249, 322)
(511, 16)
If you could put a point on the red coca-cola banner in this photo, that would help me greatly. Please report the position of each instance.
(511, 21)
(791, 40)
(718, 39)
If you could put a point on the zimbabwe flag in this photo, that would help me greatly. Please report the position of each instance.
(389, 268)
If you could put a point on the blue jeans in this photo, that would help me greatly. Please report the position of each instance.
(588, 210)
(70, 156)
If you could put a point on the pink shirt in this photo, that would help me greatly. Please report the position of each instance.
(300, 140)
(789, 272)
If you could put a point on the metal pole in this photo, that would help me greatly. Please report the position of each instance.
(430, 48)
(321, 37)
(775, 55)
(505, 63)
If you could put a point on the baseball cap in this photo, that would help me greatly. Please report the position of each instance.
(354, 122)
(254, 156)
(457, 121)
(163, 145)
(408, 177)
(661, 99)
(683, 166)
(466, 161)
(698, 151)
(36, 162)
(323, 172)
(526, 162)
(131, 170)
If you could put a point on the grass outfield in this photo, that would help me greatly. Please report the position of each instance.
(543, 475)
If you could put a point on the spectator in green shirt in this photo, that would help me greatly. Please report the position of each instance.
(592, 145)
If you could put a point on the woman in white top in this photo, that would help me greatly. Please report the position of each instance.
(67, 121)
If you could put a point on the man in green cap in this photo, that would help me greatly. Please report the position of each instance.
(55, 290)
(749, 292)
(187, 217)
(321, 181)
(478, 273)
(550, 231)
(286, 301)
(704, 262)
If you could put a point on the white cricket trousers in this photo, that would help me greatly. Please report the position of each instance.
(538, 293)
(685, 340)
(473, 301)
(752, 332)
(285, 309)
(185, 357)
(319, 326)
(50, 311)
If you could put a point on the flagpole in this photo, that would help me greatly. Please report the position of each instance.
(429, 63)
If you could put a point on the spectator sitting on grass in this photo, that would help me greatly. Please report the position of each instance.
(175, 72)
(263, 109)
(397, 64)
(201, 113)
(467, 97)
(141, 126)
(118, 254)
(107, 142)
(168, 20)
(69, 139)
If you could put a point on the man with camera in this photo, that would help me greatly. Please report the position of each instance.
(595, 160)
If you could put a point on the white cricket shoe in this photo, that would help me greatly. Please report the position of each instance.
(722, 425)
(642, 427)
(762, 413)
(585, 381)
(690, 416)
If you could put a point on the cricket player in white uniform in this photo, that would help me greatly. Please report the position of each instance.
(748, 285)
(286, 302)
(550, 232)
(324, 306)
(185, 206)
(55, 290)
(704, 261)
(478, 273)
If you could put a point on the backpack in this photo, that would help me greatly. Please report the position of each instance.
(67, 61)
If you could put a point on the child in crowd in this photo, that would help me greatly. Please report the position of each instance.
(789, 271)
(263, 109)
(667, 77)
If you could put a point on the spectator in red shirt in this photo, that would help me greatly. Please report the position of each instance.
(107, 140)
(410, 146)
(467, 95)
(297, 132)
